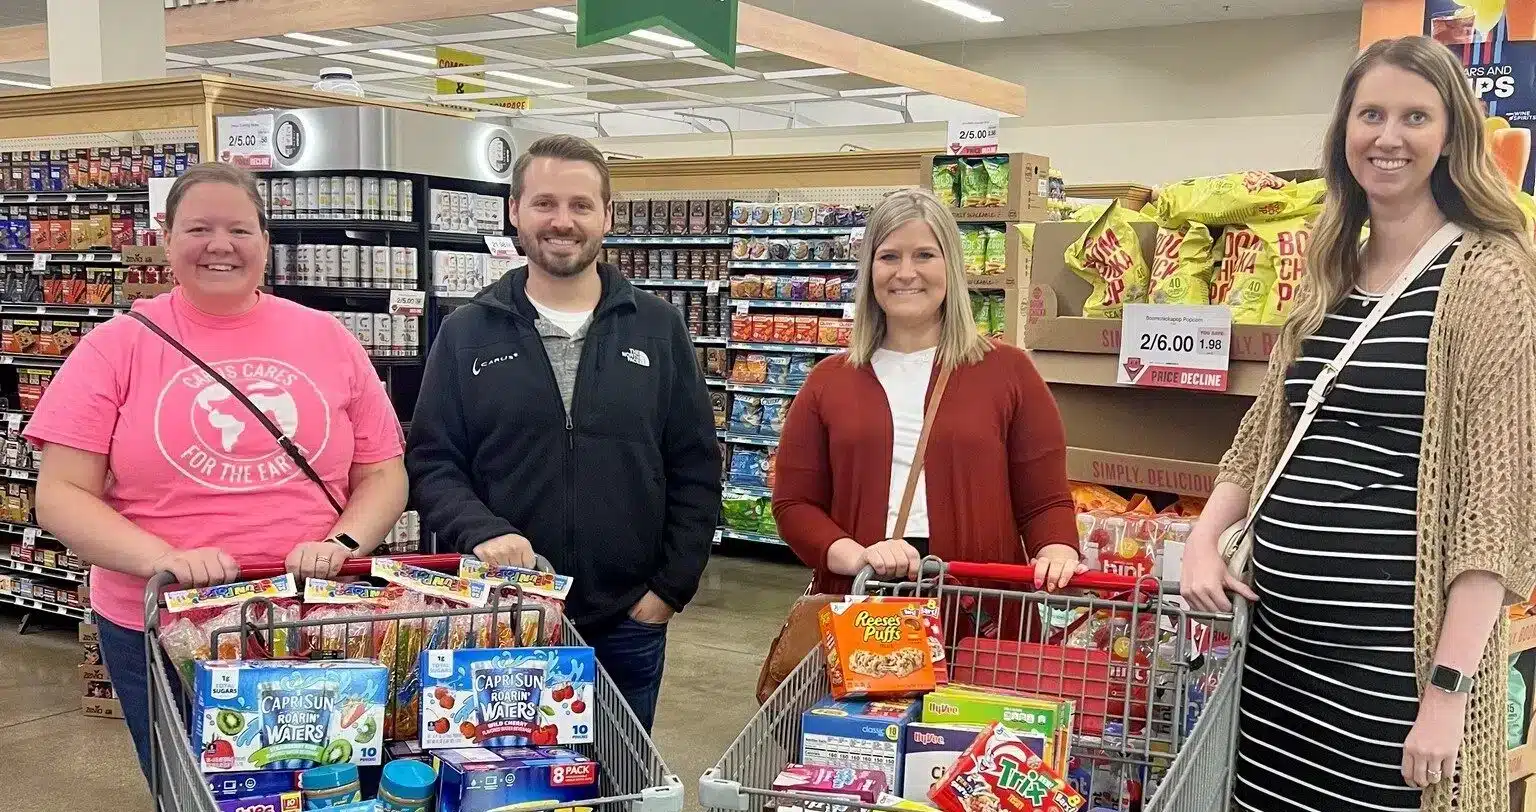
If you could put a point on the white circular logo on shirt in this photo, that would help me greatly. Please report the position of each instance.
(210, 436)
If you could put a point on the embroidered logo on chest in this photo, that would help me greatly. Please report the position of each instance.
(208, 435)
(636, 357)
(476, 367)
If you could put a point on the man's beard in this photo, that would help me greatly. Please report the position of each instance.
(559, 265)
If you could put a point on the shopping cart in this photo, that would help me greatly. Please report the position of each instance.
(1155, 685)
(633, 776)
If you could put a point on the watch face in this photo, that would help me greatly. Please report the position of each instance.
(1449, 679)
(347, 541)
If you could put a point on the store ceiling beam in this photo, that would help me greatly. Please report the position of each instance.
(756, 27)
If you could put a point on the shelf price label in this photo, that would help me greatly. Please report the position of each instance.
(501, 247)
(407, 302)
(1176, 346)
(246, 140)
(974, 135)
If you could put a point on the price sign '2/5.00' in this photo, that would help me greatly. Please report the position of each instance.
(246, 140)
(1176, 346)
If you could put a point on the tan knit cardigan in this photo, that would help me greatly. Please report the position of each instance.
(1477, 478)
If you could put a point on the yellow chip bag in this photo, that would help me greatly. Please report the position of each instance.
(1527, 206)
(1181, 266)
(1108, 256)
(1266, 262)
(1248, 197)
(1026, 252)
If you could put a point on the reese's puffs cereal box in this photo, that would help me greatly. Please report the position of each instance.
(876, 648)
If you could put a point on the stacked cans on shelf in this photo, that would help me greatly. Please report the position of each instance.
(384, 335)
(379, 267)
(339, 197)
(464, 273)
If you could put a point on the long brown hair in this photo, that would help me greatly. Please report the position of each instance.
(1467, 185)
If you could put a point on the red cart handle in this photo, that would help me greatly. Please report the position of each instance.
(448, 562)
(1025, 574)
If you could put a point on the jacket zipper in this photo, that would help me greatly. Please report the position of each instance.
(568, 542)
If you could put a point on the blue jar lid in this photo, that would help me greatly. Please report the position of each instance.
(330, 776)
(408, 780)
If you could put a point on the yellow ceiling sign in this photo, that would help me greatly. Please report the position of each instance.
(452, 58)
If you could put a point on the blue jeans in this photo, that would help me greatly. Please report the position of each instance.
(633, 654)
(122, 650)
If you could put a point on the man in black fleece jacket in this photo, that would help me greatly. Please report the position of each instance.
(563, 413)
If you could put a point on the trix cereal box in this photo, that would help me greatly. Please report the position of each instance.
(876, 649)
(999, 773)
(288, 714)
(506, 697)
(857, 734)
(480, 780)
(1037, 719)
(864, 786)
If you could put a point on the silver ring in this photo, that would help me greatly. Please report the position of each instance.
(1435, 776)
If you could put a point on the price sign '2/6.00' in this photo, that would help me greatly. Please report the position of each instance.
(1176, 346)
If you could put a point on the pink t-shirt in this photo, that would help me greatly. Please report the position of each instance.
(187, 461)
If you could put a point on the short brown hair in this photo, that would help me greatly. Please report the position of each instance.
(212, 172)
(565, 148)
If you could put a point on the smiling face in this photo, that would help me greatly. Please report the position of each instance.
(908, 276)
(216, 246)
(561, 216)
(1396, 133)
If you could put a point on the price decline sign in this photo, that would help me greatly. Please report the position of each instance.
(246, 140)
(975, 135)
(1176, 346)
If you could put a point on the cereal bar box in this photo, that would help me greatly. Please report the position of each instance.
(506, 697)
(999, 773)
(288, 714)
(876, 649)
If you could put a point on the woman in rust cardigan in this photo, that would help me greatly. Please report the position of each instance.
(993, 487)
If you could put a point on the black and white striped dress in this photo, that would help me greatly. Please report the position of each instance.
(1328, 691)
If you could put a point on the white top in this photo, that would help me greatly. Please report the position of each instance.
(566, 320)
(905, 375)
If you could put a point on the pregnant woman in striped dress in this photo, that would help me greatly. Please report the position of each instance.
(1401, 525)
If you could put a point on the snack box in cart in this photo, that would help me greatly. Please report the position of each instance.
(876, 649)
(857, 735)
(481, 780)
(507, 697)
(1035, 718)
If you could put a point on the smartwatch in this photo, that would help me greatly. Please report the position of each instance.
(346, 541)
(1450, 680)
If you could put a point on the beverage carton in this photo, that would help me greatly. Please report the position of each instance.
(506, 697)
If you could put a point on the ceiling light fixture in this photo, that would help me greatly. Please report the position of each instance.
(675, 42)
(425, 60)
(970, 12)
(557, 13)
(33, 85)
(525, 78)
(302, 37)
(803, 73)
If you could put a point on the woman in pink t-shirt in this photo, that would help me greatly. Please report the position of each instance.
(151, 465)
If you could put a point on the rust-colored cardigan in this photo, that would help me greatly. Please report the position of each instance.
(995, 468)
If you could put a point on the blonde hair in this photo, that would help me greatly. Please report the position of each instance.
(1467, 185)
(959, 343)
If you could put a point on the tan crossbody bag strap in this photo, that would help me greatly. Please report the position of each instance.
(1236, 542)
(918, 456)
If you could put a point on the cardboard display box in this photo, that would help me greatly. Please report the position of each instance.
(1028, 189)
(1011, 282)
(1141, 473)
(102, 708)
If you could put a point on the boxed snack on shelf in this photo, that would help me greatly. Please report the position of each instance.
(1003, 188)
(857, 735)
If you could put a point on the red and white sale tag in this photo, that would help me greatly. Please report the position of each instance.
(1176, 346)
(976, 135)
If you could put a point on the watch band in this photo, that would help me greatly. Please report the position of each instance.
(1451, 680)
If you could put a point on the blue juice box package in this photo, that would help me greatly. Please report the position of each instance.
(482, 780)
(288, 715)
(506, 697)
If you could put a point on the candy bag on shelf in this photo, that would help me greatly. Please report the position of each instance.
(1182, 266)
(1090, 497)
(1108, 256)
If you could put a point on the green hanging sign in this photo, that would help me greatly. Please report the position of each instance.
(710, 24)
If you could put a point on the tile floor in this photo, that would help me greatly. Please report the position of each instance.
(53, 759)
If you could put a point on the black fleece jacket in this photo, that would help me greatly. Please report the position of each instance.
(623, 495)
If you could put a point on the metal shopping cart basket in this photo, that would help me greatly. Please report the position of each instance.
(1155, 685)
(633, 776)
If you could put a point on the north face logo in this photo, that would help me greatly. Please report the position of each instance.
(636, 357)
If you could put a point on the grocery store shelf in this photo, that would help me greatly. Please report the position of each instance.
(714, 382)
(1096, 369)
(23, 529)
(458, 238)
(676, 283)
(791, 231)
(750, 490)
(124, 196)
(73, 576)
(743, 535)
(60, 310)
(709, 340)
(340, 225)
(751, 439)
(21, 359)
(100, 257)
(18, 473)
(816, 348)
(1141, 473)
(761, 388)
(763, 304)
(665, 239)
(46, 606)
(395, 361)
(292, 290)
(791, 265)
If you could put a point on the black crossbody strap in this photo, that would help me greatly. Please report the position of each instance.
(283, 442)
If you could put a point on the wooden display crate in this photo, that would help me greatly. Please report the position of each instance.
(1028, 189)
